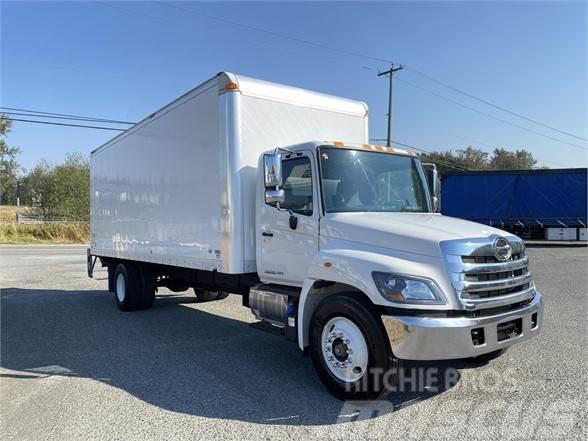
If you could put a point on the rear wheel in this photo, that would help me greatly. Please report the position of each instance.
(127, 286)
(134, 287)
(148, 288)
(349, 349)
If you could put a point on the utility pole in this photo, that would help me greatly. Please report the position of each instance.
(390, 74)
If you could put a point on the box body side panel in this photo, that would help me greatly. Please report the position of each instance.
(156, 193)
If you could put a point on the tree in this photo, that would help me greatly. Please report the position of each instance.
(72, 180)
(504, 160)
(473, 158)
(59, 191)
(469, 158)
(40, 191)
(9, 166)
(476, 159)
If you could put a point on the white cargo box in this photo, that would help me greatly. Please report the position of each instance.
(178, 188)
(582, 233)
(560, 233)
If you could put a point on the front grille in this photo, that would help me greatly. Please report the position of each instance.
(483, 281)
(490, 259)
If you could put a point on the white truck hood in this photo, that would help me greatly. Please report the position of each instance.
(409, 232)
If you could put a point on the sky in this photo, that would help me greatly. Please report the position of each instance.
(123, 60)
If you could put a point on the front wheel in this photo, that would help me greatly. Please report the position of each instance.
(349, 349)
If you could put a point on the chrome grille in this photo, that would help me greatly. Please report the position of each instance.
(483, 281)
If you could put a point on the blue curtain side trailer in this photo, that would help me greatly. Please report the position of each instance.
(524, 202)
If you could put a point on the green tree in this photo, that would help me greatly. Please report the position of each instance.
(469, 158)
(518, 160)
(39, 190)
(72, 180)
(9, 166)
(476, 159)
(59, 191)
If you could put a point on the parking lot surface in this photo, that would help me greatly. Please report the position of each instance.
(73, 367)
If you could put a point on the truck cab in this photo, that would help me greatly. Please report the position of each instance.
(350, 249)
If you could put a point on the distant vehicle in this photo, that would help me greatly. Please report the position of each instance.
(240, 187)
(531, 203)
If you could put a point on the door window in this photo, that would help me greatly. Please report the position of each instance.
(297, 185)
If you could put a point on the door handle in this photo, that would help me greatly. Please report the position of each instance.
(267, 234)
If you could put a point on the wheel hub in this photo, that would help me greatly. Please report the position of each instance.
(340, 349)
(344, 349)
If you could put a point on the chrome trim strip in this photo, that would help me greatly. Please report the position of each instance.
(480, 246)
(483, 268)
(493, 302)
(496, 284)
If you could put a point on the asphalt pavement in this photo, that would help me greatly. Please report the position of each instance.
(73, 367)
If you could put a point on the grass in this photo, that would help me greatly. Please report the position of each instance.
(12, 233)
(8, 212)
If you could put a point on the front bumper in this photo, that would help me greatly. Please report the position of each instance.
(442, 338)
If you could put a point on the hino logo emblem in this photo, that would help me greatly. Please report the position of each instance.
(501, 248)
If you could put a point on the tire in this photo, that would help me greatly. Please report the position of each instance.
(128, 286)
(111, 270)
(148, 289)
(203, 295)
(350, 323)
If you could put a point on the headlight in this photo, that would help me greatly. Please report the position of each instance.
(407, 289)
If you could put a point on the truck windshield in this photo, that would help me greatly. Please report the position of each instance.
(356, 180)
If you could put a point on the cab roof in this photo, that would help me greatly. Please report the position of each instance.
(351, 146)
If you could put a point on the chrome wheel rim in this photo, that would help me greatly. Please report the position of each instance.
(344, 349)
(120, 287)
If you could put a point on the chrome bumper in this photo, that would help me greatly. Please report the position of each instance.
(442, 338)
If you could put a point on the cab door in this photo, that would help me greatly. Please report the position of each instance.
(289, 234)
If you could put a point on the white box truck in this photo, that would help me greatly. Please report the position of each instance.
(273, 193)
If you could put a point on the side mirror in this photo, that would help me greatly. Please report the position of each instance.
(436, 190)
(272, 173)
(274, 197)
(434, 185)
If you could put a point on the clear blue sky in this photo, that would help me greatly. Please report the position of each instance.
(94, 59)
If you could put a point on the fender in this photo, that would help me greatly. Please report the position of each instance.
(350, 267)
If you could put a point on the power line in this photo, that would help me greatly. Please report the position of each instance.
(52, 123)
(35, 115)
(277, 34)
(65, 116)
(363, 56)
(488, 103)
(489, 115)
(381, 60)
